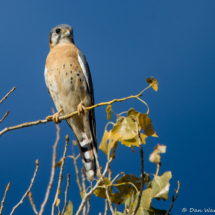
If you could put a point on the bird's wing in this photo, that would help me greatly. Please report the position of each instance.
(86, 70)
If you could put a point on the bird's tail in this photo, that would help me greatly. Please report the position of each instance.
(89, 157)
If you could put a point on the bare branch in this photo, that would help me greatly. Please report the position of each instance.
(84, 188)
(173, 198)
(52, 172)
(109, 201)
(29, 189)
(61, 175)
(93, 189)
(5, 194)
(8, 94)
(50, 118)
(32, 203)
(142, 171)
(76, 169)
(4, 116)
(67, 188)
(88, 206)
(106, 201)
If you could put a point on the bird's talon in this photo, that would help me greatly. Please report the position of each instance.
(81, 109)
(56, 116)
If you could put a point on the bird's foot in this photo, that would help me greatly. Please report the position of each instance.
(81, 108)
(56, 116)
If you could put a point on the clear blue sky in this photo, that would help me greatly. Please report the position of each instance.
(124, 42)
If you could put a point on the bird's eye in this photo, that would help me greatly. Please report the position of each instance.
(57, 30)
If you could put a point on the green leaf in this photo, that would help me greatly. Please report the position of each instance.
(160, 186)
(69, 209)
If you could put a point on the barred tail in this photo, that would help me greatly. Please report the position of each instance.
(88, 158)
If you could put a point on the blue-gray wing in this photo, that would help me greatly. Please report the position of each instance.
(86, 70)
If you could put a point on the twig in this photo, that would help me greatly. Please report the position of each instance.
(93, 189)
(76, 169)
(5, 194)
(52, 172)
(29, 189)
(4, 116)
(106, 201)
(50, 118)
(174, 198)
(8, 94)
(61, 175)
(158, 168)
(142, 171)
(84, 188)
(67, 188)
(88, 206)
(32, 203)
(106, 207)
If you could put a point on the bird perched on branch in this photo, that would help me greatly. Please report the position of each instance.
(68, 79)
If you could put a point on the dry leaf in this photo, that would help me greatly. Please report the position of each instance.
(155, 155)
(153, 83)
(108, 111)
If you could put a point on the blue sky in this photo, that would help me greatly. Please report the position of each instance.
(124, 42)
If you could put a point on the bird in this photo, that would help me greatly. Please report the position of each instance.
(69, 83)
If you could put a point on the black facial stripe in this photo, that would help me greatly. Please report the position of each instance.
(58, 39)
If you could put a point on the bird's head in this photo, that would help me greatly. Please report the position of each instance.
(60, 34)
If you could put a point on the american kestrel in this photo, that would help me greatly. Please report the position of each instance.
(68, 79)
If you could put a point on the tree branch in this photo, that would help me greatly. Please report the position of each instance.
(61, 175)
(5, 194)
(93, 189)
(4, 116)
(29, 189)
(52, 172)
(50, 118)
(8, 94)
(142, 172)
(30, 196)
(67, 188)
(173, 198)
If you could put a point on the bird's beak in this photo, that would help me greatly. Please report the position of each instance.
(66, 33)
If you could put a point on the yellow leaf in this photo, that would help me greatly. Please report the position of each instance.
(153, 83)
(82, 194)
(126, 128)
(103, 145)
(59, 163)
(57, 202)
(100, 192)
(146, 125)
(112, 141)
(108, 111)
(132, 142)
(69, 209)
(160, 186)
(143, 138)
(155, 155)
